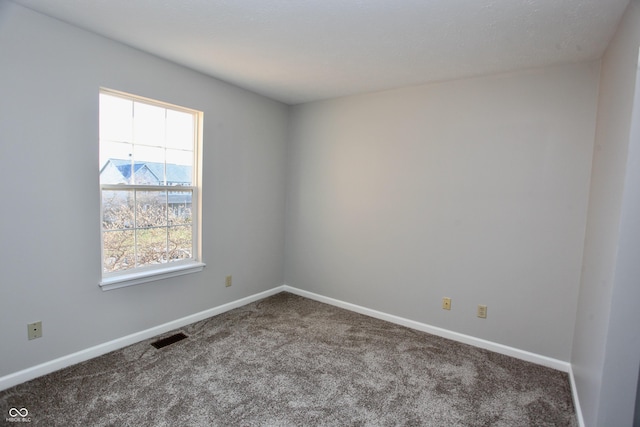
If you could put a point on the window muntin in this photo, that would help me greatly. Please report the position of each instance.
(149, 185)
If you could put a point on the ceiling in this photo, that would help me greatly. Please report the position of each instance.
(298, 51)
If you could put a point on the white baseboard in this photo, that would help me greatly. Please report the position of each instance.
(100, 349)
(455, 336)
(576, 401)
(83, 355)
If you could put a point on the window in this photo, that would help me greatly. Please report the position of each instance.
(149, 187)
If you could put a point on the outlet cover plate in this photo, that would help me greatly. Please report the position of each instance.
(482, 311)
(34, 330)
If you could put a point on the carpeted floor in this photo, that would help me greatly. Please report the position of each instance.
(291, 361)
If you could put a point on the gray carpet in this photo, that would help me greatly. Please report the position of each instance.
(291, 361)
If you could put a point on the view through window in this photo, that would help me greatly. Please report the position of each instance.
(148, 179)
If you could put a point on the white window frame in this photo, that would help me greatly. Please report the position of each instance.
(138, 275)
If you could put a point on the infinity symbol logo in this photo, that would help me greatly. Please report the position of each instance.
(22, 412)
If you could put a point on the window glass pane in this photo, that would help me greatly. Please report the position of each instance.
(151, 246)
(120, 151)
(149, 165)
(117, 210)
(179, 173)
(179, 207)
(116, 118)
(180, 157)
(180, 242)
(148, 125)
(145, 174)
(180, 130)
(119, 250)
(151, 209)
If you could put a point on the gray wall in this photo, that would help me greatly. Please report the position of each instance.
(622, 354)
(605, 339)
(50, 74)
(636, 417)
(474, 189)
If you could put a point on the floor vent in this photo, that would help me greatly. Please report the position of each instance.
(169, 340)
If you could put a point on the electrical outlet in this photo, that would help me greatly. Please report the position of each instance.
(482, 311)
(228, 281)
(34, 330)
(446, 303)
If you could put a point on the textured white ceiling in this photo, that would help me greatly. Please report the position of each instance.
(302, 50)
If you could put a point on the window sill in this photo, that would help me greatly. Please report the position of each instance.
(137, 278)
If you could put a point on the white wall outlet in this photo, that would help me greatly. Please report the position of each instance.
(34, 330)
(446, 303)
(228, 281)
(482, 311)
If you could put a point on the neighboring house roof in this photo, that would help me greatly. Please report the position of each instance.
(116, 171)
